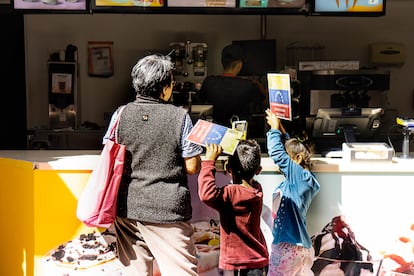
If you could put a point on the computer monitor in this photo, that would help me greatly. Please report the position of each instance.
(333, 126)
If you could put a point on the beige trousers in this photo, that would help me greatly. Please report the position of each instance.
(172, 246)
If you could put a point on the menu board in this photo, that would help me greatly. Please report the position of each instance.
(202, 3)
(129, 3)
(349, 6)
(272, 3)
(204, 6)
(279, 95)
(55, 5)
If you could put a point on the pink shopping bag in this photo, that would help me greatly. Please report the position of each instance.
(98, 202)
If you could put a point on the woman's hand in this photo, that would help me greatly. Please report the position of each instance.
(213, 151)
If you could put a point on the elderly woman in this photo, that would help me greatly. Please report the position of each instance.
(154, 204)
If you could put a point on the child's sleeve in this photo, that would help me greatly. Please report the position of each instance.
(276, 149)
(208, 191)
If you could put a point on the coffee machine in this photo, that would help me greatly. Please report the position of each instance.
(190, 59)
(63, 100)
(349, 94)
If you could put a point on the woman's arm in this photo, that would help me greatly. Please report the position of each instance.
(192, 164)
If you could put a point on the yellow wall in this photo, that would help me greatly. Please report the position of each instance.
(16, 214)
(38, 212)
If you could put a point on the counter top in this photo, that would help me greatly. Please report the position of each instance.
(86, 159)
(55, 159)
(339, 165)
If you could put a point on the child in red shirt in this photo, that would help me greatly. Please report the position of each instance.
(243, 247)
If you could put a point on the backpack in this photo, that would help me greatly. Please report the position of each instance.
(336, 247)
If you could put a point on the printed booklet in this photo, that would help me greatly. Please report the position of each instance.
(207, 132)
(279, 95)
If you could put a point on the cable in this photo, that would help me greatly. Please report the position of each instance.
(389, 138)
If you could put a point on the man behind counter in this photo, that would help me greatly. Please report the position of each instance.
(231, 95)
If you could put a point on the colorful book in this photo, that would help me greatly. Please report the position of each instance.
(205, 132)
(279, 95)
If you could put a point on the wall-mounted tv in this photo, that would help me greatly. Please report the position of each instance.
(130, 3)
(202, 3)
(272, 3)
(349, 7)
(275, 6)
(295, 7)
(53, 6)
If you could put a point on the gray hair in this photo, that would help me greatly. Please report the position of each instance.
(151, 74)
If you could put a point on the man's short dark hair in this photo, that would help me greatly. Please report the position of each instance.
(246, 159)
(230, 54)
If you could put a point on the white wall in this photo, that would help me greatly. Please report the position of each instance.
(133, 34)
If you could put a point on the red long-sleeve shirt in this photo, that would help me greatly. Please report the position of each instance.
(242, 244)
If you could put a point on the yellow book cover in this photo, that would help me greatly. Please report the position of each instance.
(205, 132)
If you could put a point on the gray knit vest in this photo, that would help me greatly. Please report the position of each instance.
(157, 189)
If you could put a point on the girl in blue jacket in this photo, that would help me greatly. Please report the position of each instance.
(292, 252)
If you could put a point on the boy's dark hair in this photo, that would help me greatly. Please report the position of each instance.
(246, 159)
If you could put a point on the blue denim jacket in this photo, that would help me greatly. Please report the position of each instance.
(292, 198)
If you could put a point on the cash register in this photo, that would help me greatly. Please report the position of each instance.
(334, 126)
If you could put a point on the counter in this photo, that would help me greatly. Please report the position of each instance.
(39, 191)
(38, 197)
(376, 198)
(59, 139)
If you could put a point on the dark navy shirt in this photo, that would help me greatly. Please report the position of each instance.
(231, 95)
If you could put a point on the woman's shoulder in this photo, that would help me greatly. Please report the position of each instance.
(179, 109)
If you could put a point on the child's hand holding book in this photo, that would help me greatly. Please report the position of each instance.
(213, 151)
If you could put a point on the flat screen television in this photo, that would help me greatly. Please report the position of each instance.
(285, 4)
(294, 7)
(334, 126)
(129, 4)
(260, 56)
(203, 3)
(51, 6)
(349, 7)
(363, 122)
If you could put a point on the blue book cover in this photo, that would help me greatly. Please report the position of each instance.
(205, 132)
